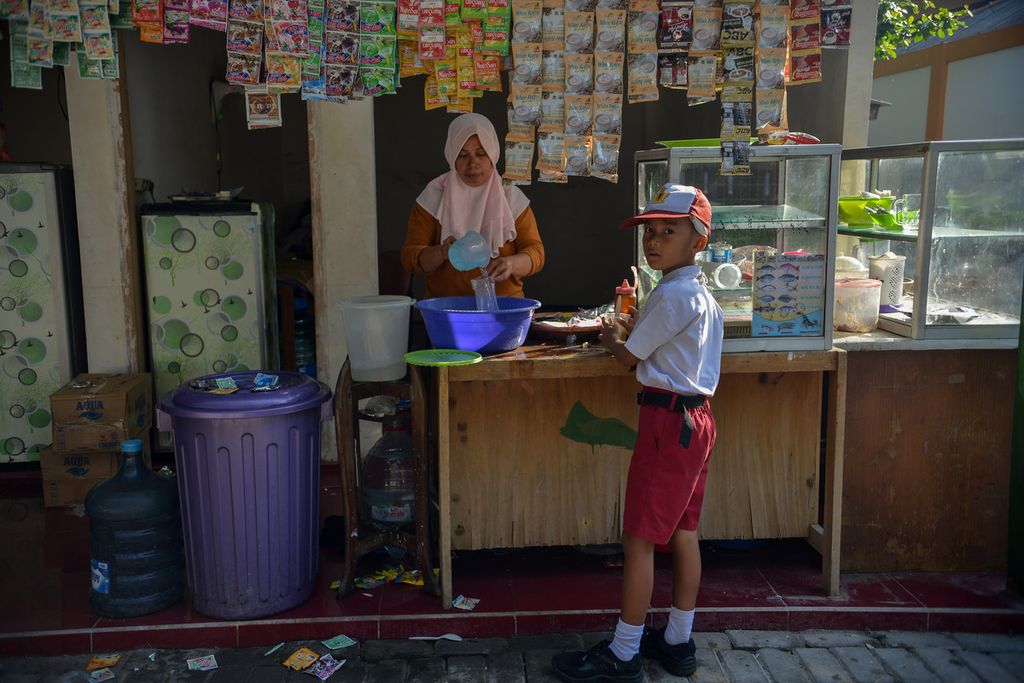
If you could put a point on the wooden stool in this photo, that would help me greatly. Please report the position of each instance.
(363, 538)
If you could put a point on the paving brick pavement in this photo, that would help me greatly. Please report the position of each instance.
(730, 657)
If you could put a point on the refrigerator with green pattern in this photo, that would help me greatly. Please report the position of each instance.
(210, 290)
(42, 328)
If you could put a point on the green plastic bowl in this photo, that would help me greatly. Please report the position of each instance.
(853, 210)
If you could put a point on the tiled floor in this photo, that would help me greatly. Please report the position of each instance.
(44, 585)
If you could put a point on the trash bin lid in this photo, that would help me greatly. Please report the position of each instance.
(210, 396)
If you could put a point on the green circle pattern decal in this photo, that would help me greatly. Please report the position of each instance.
(31, 312)
(23, 241)
(21, 201)
(39, 419)
(232, 270)
(32, 350)
(161, 305)
(18, 268)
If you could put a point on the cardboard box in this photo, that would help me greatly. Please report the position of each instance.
(68, 476)
(92, 437)
(99, 411)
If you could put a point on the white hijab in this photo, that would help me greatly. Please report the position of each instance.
(490, 209)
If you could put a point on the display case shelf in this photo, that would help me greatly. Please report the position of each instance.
(762, 217)
(783, 214)
(912, 235)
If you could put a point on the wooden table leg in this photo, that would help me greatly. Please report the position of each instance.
(444, 487)
(834, 474)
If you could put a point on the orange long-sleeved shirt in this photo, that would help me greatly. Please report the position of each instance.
(425, 231)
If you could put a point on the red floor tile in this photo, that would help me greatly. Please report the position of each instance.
(734, 586)
(855, 590)
(65, 521)
(961, 589)
(397, 598)
(177, 637)
(66, 552)
(57, 644)
(180, 612)
(76, 610)
(565, 580)
(360, 603)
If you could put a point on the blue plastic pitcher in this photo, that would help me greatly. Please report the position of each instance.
(469, 251)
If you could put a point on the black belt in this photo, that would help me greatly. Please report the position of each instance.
(677, 403)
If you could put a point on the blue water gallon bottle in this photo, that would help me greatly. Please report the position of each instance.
(305, 338)
(137, 558)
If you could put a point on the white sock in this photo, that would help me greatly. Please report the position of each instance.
(680, 624)
(627, 640)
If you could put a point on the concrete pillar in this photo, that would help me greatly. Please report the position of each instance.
(837, 109)
(105, 201)
(860, 69)
(344, 198)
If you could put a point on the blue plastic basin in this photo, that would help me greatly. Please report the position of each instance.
(454, 323)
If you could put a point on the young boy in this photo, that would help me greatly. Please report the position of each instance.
(676, 344)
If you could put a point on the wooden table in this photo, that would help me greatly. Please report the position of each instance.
(534, 447)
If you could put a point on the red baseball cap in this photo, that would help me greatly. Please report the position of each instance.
(675, 201)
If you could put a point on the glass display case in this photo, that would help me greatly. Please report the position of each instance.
(956, 222)
(777, 226)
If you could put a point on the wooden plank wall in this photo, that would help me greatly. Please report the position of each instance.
(763, 478)
(927, 460)
(516, 481)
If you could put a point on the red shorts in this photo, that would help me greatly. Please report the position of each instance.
(665, 487)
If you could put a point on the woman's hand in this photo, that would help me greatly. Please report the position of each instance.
(504, 267)
(500, 268)
(434, 256)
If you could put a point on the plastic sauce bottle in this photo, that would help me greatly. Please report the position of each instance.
(625, 297)
(138, 559)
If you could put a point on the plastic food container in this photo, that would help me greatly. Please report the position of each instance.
(453, 322)
(377, 331)
(857, 305)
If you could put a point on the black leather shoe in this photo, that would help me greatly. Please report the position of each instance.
(678, 660)
(597, 664)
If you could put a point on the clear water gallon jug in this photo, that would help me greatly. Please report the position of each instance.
(389, 477)
(138, 562)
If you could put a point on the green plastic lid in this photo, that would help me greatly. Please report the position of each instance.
(442, 357)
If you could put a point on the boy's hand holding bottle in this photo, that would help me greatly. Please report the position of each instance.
(615, 328)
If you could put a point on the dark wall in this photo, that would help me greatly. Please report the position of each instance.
(586, 255)
(37, 127)
(175, 140)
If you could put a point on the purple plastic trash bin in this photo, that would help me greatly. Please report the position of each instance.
(249, 481)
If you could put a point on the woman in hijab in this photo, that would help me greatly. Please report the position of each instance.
(471, 197)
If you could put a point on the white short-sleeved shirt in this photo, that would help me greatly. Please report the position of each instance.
(678, 336)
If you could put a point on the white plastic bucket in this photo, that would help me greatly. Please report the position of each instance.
(377, 330)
